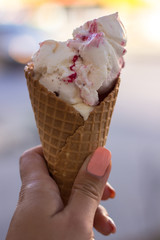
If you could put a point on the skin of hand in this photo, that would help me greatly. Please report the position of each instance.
(40, 213)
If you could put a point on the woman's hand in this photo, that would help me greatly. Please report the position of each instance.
(40, 213)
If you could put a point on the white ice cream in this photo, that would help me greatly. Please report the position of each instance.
(81, 68)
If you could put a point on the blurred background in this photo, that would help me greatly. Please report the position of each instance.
(134, 134)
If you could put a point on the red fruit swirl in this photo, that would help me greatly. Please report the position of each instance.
(93, 27)
(73, 76)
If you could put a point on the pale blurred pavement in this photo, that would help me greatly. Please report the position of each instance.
(134, 134)
(133, 140)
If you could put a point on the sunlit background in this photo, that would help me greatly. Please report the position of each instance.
(134, 135)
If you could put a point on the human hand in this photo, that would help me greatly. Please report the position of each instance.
(40, 213)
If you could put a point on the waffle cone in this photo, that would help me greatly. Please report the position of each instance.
(66, 138)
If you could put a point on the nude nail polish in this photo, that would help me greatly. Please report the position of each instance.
(99, 162)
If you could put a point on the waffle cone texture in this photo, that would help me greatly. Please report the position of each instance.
(66, 138)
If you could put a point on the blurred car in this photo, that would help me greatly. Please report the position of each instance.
(19, 42)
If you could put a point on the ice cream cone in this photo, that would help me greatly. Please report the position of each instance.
(66, 138)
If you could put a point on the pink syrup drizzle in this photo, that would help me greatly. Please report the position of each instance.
(92, 30)
(121, 62)
(84, 38)
(123, 43)
(93, 39)
(96, 39)
(124, 51)
(93, 27)
(73, 76)
(118, 75)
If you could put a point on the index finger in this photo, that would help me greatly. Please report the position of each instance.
(33, 165)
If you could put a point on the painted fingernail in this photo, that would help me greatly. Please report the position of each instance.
(112, 191)
(112, 194)
(99, 162)
(111, 224)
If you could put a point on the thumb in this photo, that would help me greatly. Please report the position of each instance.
(90, 183)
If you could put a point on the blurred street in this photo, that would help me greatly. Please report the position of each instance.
(134, 134)
(133, 140)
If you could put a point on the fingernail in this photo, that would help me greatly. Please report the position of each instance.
(112, 194)
(111, 224)
(99, 162)
(112, 191)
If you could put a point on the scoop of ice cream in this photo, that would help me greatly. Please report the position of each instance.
(101, 46)
(81, 68)
(53, 61)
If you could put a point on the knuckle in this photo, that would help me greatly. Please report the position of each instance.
(21, 195)
(30, 190)
(24, 155)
